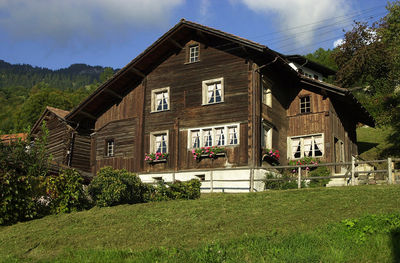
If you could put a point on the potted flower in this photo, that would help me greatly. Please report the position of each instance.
(155, 157)
(271, 156)
(208, 152)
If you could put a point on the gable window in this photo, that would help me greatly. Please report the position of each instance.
(159, 142)
(213, 91)
(305, 104)
(110, 148)
(194, 52)
(160, 99)
(214, 136)
(306, 146)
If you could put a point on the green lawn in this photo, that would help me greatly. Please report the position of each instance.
(275, 226)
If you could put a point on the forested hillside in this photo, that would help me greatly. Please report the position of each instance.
(26, 90)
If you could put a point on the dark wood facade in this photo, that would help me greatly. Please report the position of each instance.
(127, 117)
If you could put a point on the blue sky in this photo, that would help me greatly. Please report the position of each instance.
(57, 33)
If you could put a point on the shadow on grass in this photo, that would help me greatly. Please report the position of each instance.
(396, 245)
(365, 146)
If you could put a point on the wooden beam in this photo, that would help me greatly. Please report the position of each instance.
(176, 43)
(113, 93)
(138, 72)
(90, 116)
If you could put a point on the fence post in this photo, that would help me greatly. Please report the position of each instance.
(390, 176)
(173, 177)
(211, 181)
(251, 180)
(353, 169)
(299, 178)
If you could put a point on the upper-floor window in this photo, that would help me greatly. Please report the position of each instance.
(213, 91)
(194, 52)
(267, 97)
(214, 136)
(306, 146)
(159, 142)
(110, 148)
(305, 104)
(160, 99)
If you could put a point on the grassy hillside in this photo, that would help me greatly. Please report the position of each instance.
(255, 227)
(372, 142)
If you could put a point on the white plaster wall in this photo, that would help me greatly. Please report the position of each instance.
(223, 186)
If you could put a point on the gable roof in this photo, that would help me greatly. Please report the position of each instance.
(126, 79)
(169, 43)
(59, 113)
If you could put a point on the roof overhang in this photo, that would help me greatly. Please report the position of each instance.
(311, 64)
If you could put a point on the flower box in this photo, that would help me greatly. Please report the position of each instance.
(271, 156)
(208, 152)
(153, 158)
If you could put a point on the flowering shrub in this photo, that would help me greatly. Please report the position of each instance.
(207, 152)
(309, 161)
(150, 157)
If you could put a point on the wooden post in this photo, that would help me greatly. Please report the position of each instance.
(211, 182)
(173, 177)
(353, 168)
(390, 176)
(251, 180)
(299, 178)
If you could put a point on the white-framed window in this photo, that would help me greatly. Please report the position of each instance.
(306, 146)
(159, 142)
(194, 52)
(267, 135)
(220, 136)
(213, 91)
(305, 104)
(233, 135)
(195, 134)
(214, 136)
(110, 147)
(160, 99)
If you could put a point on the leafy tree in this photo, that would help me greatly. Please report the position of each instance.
(323, 57)
(370, 58)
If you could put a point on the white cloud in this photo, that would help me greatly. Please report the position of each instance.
(338, 42)
(294, 13)
(66, 20)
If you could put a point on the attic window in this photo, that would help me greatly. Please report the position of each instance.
(305, 104)
(194, 52)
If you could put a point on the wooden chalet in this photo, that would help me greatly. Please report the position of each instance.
(67, 147)
(200, 87)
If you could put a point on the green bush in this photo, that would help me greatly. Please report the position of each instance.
(319, 172)
(113, 187)
(287, 181)
(66, 192)
(176, 190)
(23, 166)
